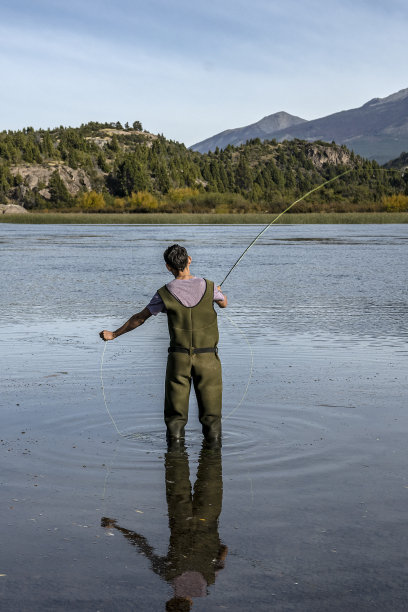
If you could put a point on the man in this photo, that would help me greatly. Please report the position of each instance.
(188, 302)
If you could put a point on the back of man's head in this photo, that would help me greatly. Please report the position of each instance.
(176, 257)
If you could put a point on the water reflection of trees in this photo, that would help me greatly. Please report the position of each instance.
(195, 553)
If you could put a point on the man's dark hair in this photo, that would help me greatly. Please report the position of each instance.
(176, 257)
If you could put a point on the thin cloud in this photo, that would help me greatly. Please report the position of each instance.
(190, 69)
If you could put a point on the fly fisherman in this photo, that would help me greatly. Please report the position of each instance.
(193, 354)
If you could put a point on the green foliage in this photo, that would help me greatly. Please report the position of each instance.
(265, 175)
(6, 181)
(60, 196)
(102, 162)
(114, 144)
(131, 175)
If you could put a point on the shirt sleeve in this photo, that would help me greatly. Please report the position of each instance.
(218, 296)
(156, 305)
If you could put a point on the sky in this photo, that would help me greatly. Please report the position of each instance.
(189, 69)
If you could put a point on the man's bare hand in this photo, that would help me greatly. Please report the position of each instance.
(107, 335)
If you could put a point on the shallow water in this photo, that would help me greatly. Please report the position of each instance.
(312, 473)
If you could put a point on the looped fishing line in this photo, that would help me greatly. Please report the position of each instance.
(120, 433)
(251, 368)
(138, 435)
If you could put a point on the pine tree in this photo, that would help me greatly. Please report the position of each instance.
(163, 180)
(60, 195)
(243, 175)
(47, 145)
(131, 176)
(102, 163)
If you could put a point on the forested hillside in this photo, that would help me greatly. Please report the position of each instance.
(110, 167)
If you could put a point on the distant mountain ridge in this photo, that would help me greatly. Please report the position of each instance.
(377, 130)
(261, 129)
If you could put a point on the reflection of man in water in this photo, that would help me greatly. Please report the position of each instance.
(195, 553)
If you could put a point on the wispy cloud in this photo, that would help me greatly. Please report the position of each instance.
(190, 69)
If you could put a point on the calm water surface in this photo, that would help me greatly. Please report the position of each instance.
(305, 506)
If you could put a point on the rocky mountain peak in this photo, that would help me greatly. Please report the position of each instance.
(377, 130)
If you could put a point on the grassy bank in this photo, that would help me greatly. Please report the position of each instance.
(198, 219)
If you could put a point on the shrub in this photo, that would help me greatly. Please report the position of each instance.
(396, 203)
(181, 194)
(143, 201)
(90, 200)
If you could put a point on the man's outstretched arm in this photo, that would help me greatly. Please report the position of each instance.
(135, 321)
(158, 563)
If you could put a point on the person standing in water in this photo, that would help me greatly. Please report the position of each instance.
(188, 302)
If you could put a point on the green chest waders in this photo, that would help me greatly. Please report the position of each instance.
(192, 357)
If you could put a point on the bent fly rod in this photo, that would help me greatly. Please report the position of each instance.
(280, 215)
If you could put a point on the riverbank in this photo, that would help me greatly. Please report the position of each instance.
(204, 219)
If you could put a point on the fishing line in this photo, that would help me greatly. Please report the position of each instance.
(104, 396)
(243, 255)
(251, 369)
(252, 244)
(297, 202)
(138, 435)
(279, 216)
(120, 433)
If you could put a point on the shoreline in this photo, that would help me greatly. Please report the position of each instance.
(204, 219)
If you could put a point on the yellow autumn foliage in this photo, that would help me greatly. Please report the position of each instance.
(396, 203)
(143, 199)
(119, 203)
(181, 194)
(90, 200)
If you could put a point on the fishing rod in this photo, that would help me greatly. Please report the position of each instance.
(297, 202)
(280, 215)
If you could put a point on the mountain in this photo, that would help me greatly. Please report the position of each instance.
(401, 163)
(377, 130)
(261, 129)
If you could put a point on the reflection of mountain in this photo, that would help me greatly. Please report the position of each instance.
(195, 553)
(377, 130)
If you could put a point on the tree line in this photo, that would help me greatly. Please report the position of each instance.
(132, 170)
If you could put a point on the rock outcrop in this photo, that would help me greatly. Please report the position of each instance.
(35, 176)
(336, 156)
(12, 209)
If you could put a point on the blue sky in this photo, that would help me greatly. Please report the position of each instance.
(190, 69)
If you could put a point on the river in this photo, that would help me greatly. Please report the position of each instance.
(305, 506)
